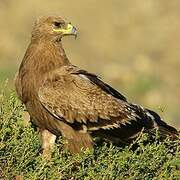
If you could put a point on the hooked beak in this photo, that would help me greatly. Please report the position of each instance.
(68, 30)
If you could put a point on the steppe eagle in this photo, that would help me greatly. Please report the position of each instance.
(63, 99)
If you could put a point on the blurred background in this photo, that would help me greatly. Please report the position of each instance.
(132, 44)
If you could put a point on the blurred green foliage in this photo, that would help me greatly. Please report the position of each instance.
(132, 45)
(20, 154)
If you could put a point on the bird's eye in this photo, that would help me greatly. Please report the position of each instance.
(57, 24)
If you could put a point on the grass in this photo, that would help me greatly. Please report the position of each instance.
(134, 47)
(20, 154)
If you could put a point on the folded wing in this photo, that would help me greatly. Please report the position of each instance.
(81, 98)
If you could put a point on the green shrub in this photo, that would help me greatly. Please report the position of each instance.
(20, 156)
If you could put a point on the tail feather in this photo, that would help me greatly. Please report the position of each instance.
(163, 128)
(146, 121)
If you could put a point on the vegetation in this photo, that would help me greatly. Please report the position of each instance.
(132, 45)
(20, 156)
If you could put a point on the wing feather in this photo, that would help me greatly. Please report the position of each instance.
(67, 94)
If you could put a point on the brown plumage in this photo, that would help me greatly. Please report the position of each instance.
(65, 100)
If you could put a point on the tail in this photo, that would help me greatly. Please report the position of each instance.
(163, 128)
(146, 121)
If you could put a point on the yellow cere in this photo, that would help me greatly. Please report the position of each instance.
(67, 30)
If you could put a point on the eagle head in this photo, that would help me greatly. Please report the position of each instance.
(52, 28)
